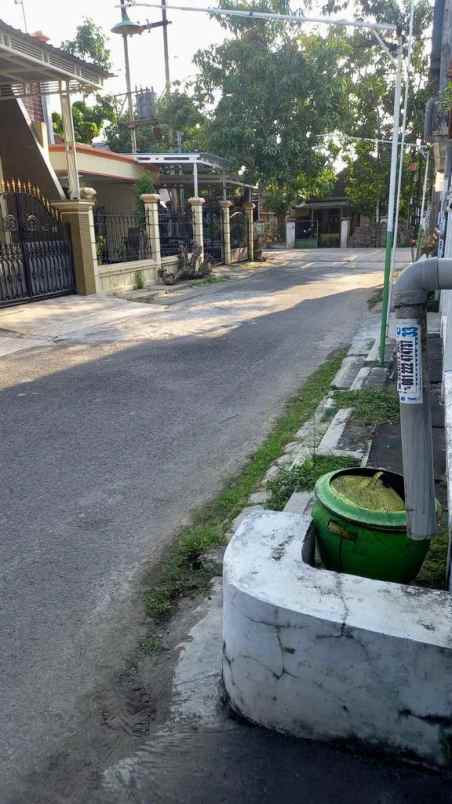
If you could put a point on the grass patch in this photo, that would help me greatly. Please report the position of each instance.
(182, 572)
(375, 298)
(303, 478)
(210, 280)
(150, 646)
(433, 570)
(371, 405)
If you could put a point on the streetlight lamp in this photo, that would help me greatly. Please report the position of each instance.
(126, 27)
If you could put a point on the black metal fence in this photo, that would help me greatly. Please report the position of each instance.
(176, 230)
(121, 237)
(239, 236)
(213, 232)
(35, 247)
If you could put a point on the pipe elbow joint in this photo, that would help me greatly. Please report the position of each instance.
(418, 279)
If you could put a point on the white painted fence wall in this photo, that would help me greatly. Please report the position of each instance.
(446, 331)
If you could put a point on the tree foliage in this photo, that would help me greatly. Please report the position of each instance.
(175, 112)
(370, 76)
(275, 95)
(267, 95)
(90, 44)
(89, 120)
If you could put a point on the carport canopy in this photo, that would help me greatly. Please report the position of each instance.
(194, 166)
(30, 66)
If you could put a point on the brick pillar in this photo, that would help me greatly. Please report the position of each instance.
(196, 211)
(79, 216)
(249, 207)
(226, 206)
(151, 203)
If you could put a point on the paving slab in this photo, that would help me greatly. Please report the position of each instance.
(299, 503)
(347, 372)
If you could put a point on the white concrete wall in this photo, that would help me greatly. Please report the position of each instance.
(115, 197)
(123, 275)
(446, 331)
(330, 656)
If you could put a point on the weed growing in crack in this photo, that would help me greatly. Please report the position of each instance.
(303, 477)
(370, 405)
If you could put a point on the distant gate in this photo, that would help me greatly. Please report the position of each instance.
(35, 246)
(213, 231)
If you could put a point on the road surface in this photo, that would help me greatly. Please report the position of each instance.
(116, 419)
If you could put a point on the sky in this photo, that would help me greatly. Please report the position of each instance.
(58, 19)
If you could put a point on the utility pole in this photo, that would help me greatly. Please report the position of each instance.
(165, 48)
(131, 115)
(128, 28)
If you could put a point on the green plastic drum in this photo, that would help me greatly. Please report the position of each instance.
(359, 541)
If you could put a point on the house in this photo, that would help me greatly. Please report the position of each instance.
(113, 176)
(40, 249)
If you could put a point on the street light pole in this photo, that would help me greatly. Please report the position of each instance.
(24, 16)
(128, 28)
(391, 203)
(131, 116)
(165, 47)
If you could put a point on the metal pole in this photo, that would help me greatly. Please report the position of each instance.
(402, 154)
(69, 141)
(165, 47)
(195, 179)
(21, 3)
(416, 420)
(294, 19)
(133, 134)
(424, 195)
(391, 200)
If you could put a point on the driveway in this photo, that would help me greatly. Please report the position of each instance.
(118, 418)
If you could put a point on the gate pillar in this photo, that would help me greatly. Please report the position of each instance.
(79, 216)
(249, 207)
(196, 209)
(225, 207)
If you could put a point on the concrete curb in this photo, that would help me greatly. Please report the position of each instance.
(322, 435)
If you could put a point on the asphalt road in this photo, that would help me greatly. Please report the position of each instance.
(108, 438)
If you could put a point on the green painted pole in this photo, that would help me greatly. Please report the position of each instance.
(391, 206)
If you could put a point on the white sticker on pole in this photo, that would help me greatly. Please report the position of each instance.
(409, 362)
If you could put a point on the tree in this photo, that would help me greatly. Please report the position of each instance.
(89, 121)
(276, 93)
(90, 44)
(370, 77)
(175, 112)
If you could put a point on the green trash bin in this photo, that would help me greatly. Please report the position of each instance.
(361, 541)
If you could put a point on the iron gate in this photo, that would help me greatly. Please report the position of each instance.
(213, 232)
(35, 247)
(176, 230)
(239, 231)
